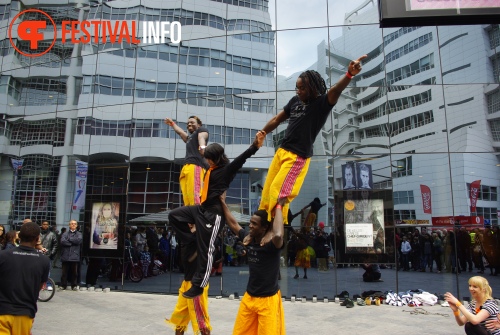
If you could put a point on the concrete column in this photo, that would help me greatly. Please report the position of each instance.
(63, 202)
(71, 82)
(61, 195)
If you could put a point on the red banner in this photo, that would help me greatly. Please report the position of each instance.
(474, 191)
(426, 199)
(450, 221)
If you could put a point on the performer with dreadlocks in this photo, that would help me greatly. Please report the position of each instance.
(307, 113)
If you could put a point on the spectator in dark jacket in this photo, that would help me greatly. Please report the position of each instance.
(71, 242)
(49, 240)
(464, 249)
(320, 246)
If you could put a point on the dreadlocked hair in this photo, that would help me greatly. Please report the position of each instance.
(315, 83)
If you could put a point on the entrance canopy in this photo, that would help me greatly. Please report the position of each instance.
(163, 217)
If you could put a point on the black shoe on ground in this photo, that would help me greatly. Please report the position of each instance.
(296, 277)
(349, 303)
(193, 292)
(305, 277)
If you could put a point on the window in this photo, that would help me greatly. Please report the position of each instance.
(487, 193)
(493, 101)
(495, 129)
(404, 215)
(494, 36)
(402, 167)
(403, 197)
(488, 214)
(407, 71)
(40, 91)
(411, 46)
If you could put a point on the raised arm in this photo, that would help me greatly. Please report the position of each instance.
(275, 122)
(230, 220)
(202, 141)
(278, 227)
(457, 307)
(176, 128)
(306, 207)
(353, 69)
(238, 162)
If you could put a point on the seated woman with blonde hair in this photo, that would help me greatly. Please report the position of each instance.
(478, 315)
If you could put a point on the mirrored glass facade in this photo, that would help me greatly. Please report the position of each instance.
(412, 147)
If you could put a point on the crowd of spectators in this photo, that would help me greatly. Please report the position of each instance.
(437, 250)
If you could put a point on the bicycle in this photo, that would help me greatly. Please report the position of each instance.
(133, 268)
(47, 291)
(128, 267)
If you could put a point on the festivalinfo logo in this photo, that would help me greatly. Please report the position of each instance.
(89, 31)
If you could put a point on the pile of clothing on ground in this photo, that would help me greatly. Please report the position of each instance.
(411, 298)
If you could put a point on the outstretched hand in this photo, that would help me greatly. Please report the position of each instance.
(168, 121)
(452, 301)
(355, 65)
(259, 138)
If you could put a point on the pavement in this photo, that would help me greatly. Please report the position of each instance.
(118, 312)
(321, 284)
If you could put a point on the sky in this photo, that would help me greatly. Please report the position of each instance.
(300, 14)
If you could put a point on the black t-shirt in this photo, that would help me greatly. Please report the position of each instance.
(264, 267)
(220, 179)
(304, 124)
(315, 207)
(193, 155)
(22, 271)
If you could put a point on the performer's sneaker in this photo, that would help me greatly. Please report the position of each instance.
(193, 292)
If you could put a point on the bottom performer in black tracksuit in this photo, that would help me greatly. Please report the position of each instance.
(208, 217)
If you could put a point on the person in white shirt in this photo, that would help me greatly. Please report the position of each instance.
(405, 254)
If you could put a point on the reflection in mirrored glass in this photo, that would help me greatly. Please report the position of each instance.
(410, 147)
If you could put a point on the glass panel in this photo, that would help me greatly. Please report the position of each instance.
(411, 140)
(355, 12)
(478, 63)
(287, 18)
(467, 128)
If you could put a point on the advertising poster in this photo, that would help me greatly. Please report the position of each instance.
(364, 224)
(104, 233)
(359, 235)
(80, 185)
(348, 176)
(453, 4)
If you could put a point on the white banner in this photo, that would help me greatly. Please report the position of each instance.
(81, 183)
(359, 234)
(17, 164)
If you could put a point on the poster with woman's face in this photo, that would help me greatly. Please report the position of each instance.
(104, 233)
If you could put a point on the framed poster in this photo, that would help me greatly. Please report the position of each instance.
(409, 13)
(104, 225)
(359, 235)
(348, 176)
(364, 226)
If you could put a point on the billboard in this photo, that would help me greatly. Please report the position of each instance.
(408, 13)
(357, 176)
(104, 227)
(364, 226)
